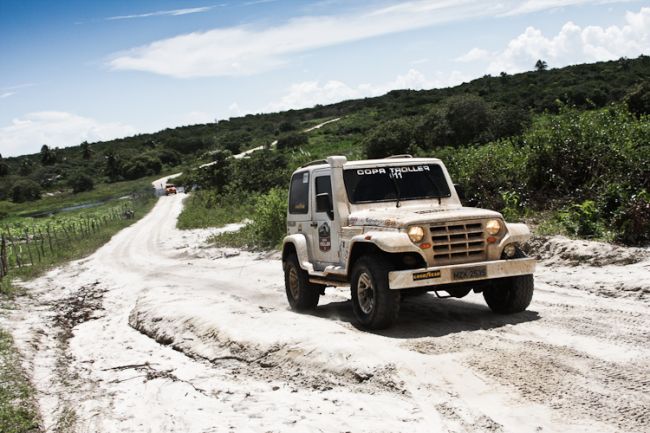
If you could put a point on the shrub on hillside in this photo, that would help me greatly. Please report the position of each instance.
(390, 138)
(261, 171)
(577, 154)
(638, 99)
(486, 172)
(292, 141)
(81, 182)
(141, 166)
(25, 190)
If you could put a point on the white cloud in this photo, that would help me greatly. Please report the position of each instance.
(55, 128)
(473, 55)
(246, 50)
(310, 93)
(6, 92)
(235, 110)
(574, 44)
(531, 6)
(420, 61)
(174, 13)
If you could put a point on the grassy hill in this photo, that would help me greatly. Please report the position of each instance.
(595, 110)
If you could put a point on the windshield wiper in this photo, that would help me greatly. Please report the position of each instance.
(435, 185)
(397, 191)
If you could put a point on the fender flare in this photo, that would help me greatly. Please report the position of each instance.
(387, 241)
(299, 243)
(517, 232)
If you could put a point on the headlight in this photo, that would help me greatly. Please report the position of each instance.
(416, 233)
(492, 227)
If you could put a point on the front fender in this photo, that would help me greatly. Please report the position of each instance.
(299, 242)
(387, 241)
(517, 232)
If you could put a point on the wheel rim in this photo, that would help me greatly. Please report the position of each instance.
(365, 293)
(293, 283)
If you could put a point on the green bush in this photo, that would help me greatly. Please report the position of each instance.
(268, 226)
(141, 166)
(638, 99)
(270, 218)
(582, 219)
(25, 190)
(578, 154)
(486, 172)
(390, 138)
(81, 182)
(292, 141)
(632, 221)
(512, 206)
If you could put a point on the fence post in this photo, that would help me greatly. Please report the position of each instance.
(49, 239)
(40, 233)
(29, 250)
(38, 252)
(3, 256)
(16, 254)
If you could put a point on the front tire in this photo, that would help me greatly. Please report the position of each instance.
(375, 305)
(510, 295)
(301, 294)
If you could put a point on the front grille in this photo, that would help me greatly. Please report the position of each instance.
(458, 243)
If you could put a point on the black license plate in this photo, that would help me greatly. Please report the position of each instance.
(469, 273)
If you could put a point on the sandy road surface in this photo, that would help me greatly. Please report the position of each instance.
(156, 333)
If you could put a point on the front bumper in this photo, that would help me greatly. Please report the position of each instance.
(451, 274)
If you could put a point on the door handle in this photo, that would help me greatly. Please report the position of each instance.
(314, 224)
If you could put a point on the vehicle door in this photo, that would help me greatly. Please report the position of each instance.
(323, 230)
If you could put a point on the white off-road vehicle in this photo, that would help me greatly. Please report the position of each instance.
(394, 227)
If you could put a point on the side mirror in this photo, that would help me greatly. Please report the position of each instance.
(324, 204)
(460, 191)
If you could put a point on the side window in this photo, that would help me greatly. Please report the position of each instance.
(323, 184)
(299, 193)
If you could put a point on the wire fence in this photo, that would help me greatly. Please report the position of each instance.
(33, 245)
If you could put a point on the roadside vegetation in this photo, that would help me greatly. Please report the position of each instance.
(18, 412)
(34, 245)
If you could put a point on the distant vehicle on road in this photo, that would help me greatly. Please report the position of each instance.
(170, 188)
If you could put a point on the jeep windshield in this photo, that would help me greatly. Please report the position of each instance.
(395, 183)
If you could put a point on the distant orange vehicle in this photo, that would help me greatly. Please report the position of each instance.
(170, 188)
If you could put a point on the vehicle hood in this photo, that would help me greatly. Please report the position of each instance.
(393, 217)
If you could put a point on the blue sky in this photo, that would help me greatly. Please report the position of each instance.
(90, 70)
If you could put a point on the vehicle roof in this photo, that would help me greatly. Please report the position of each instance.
(383, 162)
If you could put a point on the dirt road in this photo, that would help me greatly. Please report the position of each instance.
(157, 333)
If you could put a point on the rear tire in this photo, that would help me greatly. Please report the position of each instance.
(375, 305)
(301, 294)
(510, 295)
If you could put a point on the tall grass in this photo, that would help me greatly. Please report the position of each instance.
(206, 208)
(18, 413)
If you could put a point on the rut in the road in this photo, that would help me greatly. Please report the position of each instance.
(275, 363)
